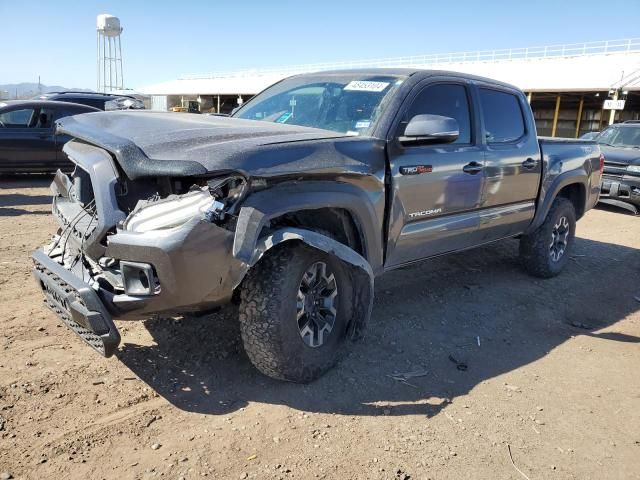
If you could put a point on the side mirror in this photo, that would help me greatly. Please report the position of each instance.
(429, 129)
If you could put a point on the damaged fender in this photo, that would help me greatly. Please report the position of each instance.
(360, 271)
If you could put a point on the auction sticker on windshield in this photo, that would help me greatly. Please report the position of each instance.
(366, 86)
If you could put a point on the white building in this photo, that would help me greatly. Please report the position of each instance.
(566, 84)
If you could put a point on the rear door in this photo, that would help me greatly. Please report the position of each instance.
(512, 162)
(436, 189)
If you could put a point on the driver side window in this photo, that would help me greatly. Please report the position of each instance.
(448, 100)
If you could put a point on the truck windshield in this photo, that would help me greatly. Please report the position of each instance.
(348, 104)
(620, 137)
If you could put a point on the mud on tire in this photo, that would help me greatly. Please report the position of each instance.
(545, 252)
(270, 309)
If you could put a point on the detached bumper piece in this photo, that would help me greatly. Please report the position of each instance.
(76, 303)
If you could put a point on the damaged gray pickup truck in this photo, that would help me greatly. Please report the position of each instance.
(291, 207)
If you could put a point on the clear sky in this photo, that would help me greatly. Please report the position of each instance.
(162, 39)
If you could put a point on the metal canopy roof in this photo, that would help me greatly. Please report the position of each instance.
(592, 66)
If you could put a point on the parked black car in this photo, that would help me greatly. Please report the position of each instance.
(620, 144)
(28, 143)
(103, 101)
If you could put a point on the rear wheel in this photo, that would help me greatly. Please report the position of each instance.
(545, 252)
(294, 312)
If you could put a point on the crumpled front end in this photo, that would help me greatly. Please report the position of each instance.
(130, 249)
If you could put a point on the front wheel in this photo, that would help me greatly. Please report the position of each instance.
(545, 252)
(294, 312)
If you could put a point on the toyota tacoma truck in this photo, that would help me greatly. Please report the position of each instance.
(292, 207)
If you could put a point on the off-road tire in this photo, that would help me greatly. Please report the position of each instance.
(268, 316)
(535, 248)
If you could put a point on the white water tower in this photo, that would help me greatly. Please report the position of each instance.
(109, 53)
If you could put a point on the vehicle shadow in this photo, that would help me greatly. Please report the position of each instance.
(10, 202)
(453, 322)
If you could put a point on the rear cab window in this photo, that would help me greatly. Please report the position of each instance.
(503, 116)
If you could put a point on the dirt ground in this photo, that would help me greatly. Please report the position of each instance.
(552, 375)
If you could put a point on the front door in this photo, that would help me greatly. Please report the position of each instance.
(436, 189)
(26, 143)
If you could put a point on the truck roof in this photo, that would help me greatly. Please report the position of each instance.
(407, 72)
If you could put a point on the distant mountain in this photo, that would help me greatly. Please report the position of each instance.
(11, 91)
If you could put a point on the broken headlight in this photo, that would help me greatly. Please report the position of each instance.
(173, 211)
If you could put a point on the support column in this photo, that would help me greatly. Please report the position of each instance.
(218, 109)
(529, 97)
(579, 119)
(555, 117)
(612, 115)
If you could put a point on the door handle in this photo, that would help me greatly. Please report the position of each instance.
(472, 168)
(529, 163)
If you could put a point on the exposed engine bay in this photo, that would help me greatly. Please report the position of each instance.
(154, 207)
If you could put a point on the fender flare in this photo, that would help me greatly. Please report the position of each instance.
(548, 194)
(265, 205)
(361, 273)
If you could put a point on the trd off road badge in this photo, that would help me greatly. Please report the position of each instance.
(416, 169)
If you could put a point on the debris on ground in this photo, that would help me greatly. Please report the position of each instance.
(403, 377)
(459, 365)
(584, 326)
(513, 463)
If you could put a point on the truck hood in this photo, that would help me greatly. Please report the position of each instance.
(149, 144)
(626, 155)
